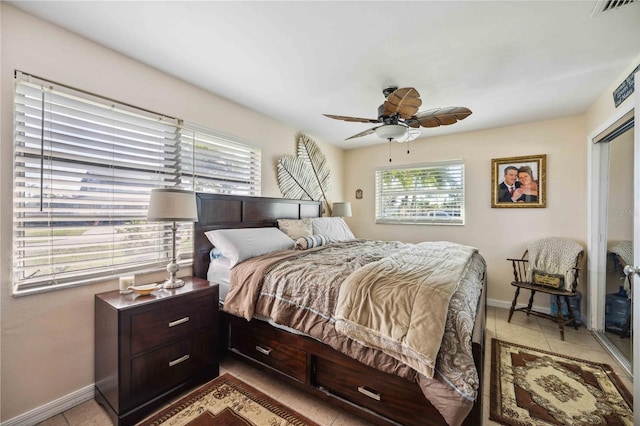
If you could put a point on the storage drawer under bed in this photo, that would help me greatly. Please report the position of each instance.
(358, 384)
(268, 345)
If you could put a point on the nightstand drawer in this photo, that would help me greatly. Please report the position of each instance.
(160, 326)
(155, 372)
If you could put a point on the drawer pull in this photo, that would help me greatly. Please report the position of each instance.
(370, 393)
(178, 361)
(178, 322)
(263, 350)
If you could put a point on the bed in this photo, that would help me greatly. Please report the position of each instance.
(368, 382)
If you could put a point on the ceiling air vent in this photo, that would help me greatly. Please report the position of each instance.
(605, 5)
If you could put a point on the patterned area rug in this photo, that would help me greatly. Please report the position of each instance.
(230, 402)
(534, 387)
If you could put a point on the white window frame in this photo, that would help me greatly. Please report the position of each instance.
(126, 151)
(434, 202)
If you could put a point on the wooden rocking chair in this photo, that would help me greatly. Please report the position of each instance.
(547, 282)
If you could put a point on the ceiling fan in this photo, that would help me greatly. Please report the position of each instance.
(399, 117)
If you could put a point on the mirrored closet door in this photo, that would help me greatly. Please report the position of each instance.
(617, 303)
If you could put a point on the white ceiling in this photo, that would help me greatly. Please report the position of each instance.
(508, 61)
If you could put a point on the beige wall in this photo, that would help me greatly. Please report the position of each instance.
(47, 339)
(498, 233)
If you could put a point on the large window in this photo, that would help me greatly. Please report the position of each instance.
(83, 170)
(421, 194)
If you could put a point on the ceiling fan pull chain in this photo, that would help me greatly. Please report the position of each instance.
(408, 142)
(390, 149)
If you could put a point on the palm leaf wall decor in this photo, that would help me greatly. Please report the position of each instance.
(306, 176)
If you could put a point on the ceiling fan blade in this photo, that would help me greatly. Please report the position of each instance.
(412, 122)
(354, 119)
(442, 116)
(404, 102)
(365, 133)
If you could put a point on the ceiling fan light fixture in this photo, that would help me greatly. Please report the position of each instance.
(391, 131)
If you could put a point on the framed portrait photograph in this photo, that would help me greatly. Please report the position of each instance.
(518, 182)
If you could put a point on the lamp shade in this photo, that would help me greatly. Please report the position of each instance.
(391, 131)
(341, 209)
(175, 205)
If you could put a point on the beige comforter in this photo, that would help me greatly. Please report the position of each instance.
(399, 304)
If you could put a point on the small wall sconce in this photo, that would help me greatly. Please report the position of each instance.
(358, 194)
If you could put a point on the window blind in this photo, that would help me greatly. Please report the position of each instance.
(84, 166)
(219, 163)
(421, 194)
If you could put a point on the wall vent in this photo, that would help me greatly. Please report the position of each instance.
(606, 5)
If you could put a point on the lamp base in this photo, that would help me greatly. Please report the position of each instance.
(173, 267)
(173, 282)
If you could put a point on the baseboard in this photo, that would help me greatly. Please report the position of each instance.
(52, 408)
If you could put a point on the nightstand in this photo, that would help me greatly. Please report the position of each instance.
(150, 349)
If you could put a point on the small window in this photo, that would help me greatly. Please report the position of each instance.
(421, 194)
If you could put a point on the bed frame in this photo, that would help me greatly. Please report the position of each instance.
(318, 369)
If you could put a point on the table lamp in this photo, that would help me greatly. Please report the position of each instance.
(172, 205)
(342, 209)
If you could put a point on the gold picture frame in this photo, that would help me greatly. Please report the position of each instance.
(526, 189)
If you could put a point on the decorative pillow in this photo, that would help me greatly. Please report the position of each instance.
(548, 280)
(334, 229)
(311, 241)
(238, 245)
(296, 228)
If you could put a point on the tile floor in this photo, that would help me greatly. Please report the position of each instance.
(531, 331)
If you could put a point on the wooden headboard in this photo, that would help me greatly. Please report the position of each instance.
(217, 211)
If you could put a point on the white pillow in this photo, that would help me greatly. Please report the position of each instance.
(238, 245)
(334, 229)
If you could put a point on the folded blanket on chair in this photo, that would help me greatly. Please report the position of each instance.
(554, 255)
